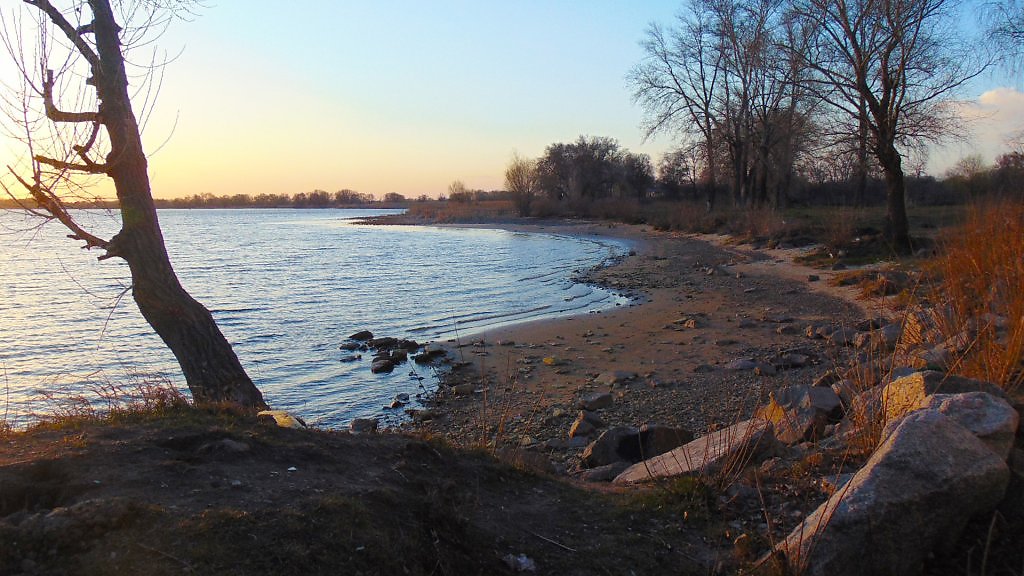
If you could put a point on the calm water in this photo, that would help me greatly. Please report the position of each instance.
(286, 287)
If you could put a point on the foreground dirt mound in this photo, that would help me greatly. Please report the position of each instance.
(201, 493)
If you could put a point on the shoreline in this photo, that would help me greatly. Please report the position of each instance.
(664, 359)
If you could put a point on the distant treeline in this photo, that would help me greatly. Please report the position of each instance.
(315, 199)
(595, 172)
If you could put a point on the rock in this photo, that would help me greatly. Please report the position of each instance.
(464, 389)
(409, 345)
(744, 547)
(740, 364)
(792, 360)
(737, 443)
(362, 336)
(842, 337)
(424, 415)
(656, 439)
(907, 393)
(350, 346)
(363, 425)
(384, 343)
(813, 277)
(382, 365)
(787, 330)
(616, 378)
(612, 446)
(350, 358)
(430, 354)
(989, 418)
(281, 418)
(520, 563)
(914, 496)
(827, 378)
(887, 337)
(399, 400)
(870, 324)
(938, 358)
(605, 473)
(801, 413)
(596, 401)
(581, 427)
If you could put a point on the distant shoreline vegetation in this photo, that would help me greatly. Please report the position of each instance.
(315, 199)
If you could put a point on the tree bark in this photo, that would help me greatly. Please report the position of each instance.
(899, 228)
(211, 368)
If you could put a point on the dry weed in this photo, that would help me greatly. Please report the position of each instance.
(982, 274)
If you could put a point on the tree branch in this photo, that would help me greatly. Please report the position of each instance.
(89, 167)
(72, 34)
(59, 115)
(56, 209)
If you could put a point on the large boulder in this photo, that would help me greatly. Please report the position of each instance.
(730, 447)
(914, 495)
(611, 446)
(905, 394)
(656, 439)
(801, 412)
(625, 444)
(989, 418)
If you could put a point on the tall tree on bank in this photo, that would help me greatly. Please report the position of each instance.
(91, 38)
(678, 82)
(896, 60)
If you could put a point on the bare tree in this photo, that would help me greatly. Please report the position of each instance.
(896, 60)
(81, 58)
(1005, 20)
(521, 182)
(678, 81)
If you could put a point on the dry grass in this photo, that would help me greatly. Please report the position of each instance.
(463, 212)
(111, 401)
(981, 271)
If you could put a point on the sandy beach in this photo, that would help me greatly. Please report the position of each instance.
(675, 357)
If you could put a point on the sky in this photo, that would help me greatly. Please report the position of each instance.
(407, 96)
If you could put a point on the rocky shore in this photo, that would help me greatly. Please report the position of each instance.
(762, 378)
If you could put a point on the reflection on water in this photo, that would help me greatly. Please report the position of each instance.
(286, 287)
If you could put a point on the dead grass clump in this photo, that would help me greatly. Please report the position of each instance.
(113, 401)
(981, 270)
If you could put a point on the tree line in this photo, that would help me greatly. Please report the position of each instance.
(769, 99)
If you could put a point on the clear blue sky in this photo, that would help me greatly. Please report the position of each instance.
(406, 96)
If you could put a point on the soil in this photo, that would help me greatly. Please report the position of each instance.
(199, 492)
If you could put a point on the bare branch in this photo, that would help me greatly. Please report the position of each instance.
(55, 208)
(70, 31)
(89, 167)
(59, 115)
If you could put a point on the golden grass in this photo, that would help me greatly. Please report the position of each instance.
(981, 292)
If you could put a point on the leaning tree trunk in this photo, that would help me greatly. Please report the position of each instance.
(899, 228)
(211, 368)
